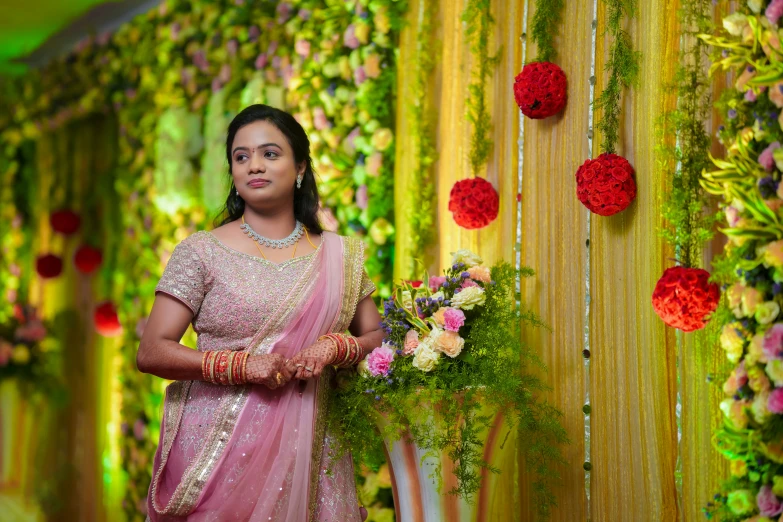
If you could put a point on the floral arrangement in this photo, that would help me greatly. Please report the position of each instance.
(597, 185)
(453, 341)
(30, 355)
(474, 203)
(541, 89)
(748, 178)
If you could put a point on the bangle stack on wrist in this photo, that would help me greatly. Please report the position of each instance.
(349, 352)
(226, 367)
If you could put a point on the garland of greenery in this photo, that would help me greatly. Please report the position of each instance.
(545, 21)
(466, 391)
(623, 67)
(421, 206)
(479, 20)
(751, 268)
(683, 162)
(338, 77)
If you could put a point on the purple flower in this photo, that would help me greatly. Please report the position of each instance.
(232, 47)
(304, 14)
(768, 187)
(283, 12)
(200, 60)
(766, 158)
(774, 11)
(769, 505)
(732, 114)
(253, 33)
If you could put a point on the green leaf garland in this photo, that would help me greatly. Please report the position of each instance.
(545, 21)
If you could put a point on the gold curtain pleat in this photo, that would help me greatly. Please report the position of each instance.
(634, 357)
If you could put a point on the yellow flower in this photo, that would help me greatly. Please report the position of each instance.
(450, 343)
(739, 468)
(372, 66)
(773, 253)
(732, 342)
(362, 32)
(735, 23)
(21, 354)
(767, 312)
(751, 298)
(774, 370)
(381, 20)
(345, 68)
(380, 230)
(777, 485)
(734, 296)
(468, 298)
(741, 502)
(382, 138)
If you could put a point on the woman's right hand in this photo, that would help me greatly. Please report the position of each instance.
(268, 369)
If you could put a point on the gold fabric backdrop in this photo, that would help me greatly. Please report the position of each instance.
(633, 367)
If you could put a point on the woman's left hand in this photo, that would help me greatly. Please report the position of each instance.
(310, 362)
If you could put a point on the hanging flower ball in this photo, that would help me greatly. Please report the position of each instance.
(49, 266)
(605, 185)
(684, 298)
(65, 222)
(540, 90)
(107, 323)
(87, 259)
(474, 203)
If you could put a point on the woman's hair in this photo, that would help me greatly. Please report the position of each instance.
(306, 197)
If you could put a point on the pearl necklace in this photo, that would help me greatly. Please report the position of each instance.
(292, 239)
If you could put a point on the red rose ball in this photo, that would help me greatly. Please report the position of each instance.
(684, 298)
(49, 266)
(540, 90)
(107, 323)
(65, 222)
(605, 185)
(87, 259)
(474, 203)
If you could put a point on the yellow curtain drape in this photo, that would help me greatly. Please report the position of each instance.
(606, 267)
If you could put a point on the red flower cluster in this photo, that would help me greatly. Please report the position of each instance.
(107, 323)
(540, 90)
(684, 298)
(65, 222)
(605, 185)
(49, 266)
(474, 203)
(87, 259)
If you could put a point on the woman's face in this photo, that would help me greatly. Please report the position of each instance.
(263, 165)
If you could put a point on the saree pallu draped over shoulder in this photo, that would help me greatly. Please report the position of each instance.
(248, 453)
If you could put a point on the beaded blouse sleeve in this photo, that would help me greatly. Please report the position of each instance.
(367, 286)
(184, 277)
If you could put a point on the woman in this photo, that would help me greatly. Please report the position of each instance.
(242, 436)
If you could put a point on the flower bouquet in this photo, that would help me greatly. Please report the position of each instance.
(453, 378)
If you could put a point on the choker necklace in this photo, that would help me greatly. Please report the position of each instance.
(292, 239)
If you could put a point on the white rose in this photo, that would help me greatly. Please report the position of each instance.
(468, 298)
(735, 23)
(438, 294)
(363, 369)
(465, 256)
(755, 5)
(425, 358)
(759, 407)
(767, 312)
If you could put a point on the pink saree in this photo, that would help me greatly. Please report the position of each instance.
(247, 453)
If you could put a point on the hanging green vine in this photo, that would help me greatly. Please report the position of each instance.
(547, 16)
(623, 69)
(421, 205)
(479, 22)
(689, 226)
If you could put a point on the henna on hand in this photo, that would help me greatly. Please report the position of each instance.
(263, 369)
(316, 356)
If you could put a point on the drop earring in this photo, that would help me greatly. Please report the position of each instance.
(299, 181)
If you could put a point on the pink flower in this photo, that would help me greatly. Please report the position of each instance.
(379, 361)
(302, 48)
(750, 96)
(766, 159)
(411, 342)
(320, 121)
(139, 429)
(232, 46)
(261, 61)
(359, 76)
(225, 73)
(775, 403)
(774, 11)
(375, 161)
(468, 282)
(732, 215)
(349, 38)
(304, 14)
(435, 282)
(5, 352)
(768, 503)
(31, 332)
(773, 341)
(737, 379)
(283, 12)
(362, 199)
(453, 319)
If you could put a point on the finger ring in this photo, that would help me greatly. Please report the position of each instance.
(308, 368)
(299, 365)
(279, 378)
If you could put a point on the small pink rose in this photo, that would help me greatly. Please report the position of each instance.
(453, 319)
(435, 282)
(411, 342)
(379, 361)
